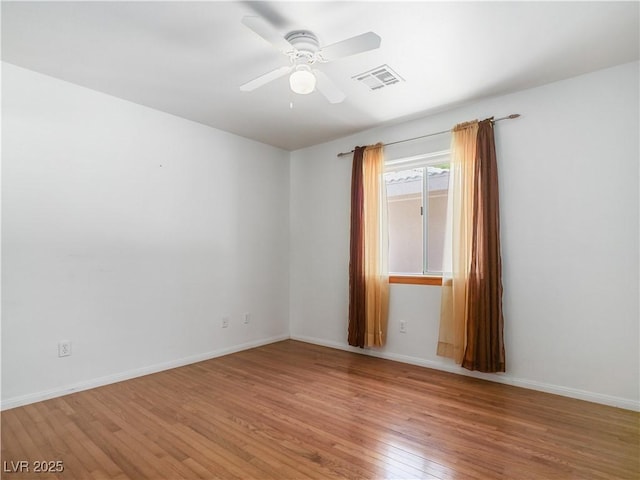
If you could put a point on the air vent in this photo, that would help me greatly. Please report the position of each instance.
(379, 77)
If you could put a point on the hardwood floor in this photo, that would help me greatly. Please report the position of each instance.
(291, 410)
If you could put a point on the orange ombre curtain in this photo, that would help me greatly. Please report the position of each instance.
(458, 240)
(376, 247)
(368, 263)
(471, 319)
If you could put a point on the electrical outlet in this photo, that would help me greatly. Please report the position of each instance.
(225, 322)
(64, 348)
(403, 327)
(247, 318)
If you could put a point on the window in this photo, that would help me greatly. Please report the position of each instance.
(417, 190)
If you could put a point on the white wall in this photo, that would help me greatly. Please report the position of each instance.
(130, 232)
(569, 212)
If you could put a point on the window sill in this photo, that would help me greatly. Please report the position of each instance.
(415, 280)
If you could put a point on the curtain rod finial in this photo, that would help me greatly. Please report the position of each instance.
(513, 115)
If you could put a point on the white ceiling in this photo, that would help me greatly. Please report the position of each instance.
(189, 58)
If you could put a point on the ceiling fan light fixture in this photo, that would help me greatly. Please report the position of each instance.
(303, 50)
(302, 80)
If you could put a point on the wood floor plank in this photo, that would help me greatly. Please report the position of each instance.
(292, 410)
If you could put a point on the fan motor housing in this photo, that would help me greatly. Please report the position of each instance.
(304, 41)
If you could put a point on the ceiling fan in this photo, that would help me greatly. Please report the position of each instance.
(304, 52)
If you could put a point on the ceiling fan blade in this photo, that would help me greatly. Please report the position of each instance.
(264, 79)
(351, 46)
(265, 30)
(327, 88)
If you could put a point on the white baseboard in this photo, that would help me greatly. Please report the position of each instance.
(138, 372)
(625, 403)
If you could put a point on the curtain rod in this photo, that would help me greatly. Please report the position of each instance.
(508, 117)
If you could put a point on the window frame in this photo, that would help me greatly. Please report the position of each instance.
(405, 163)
